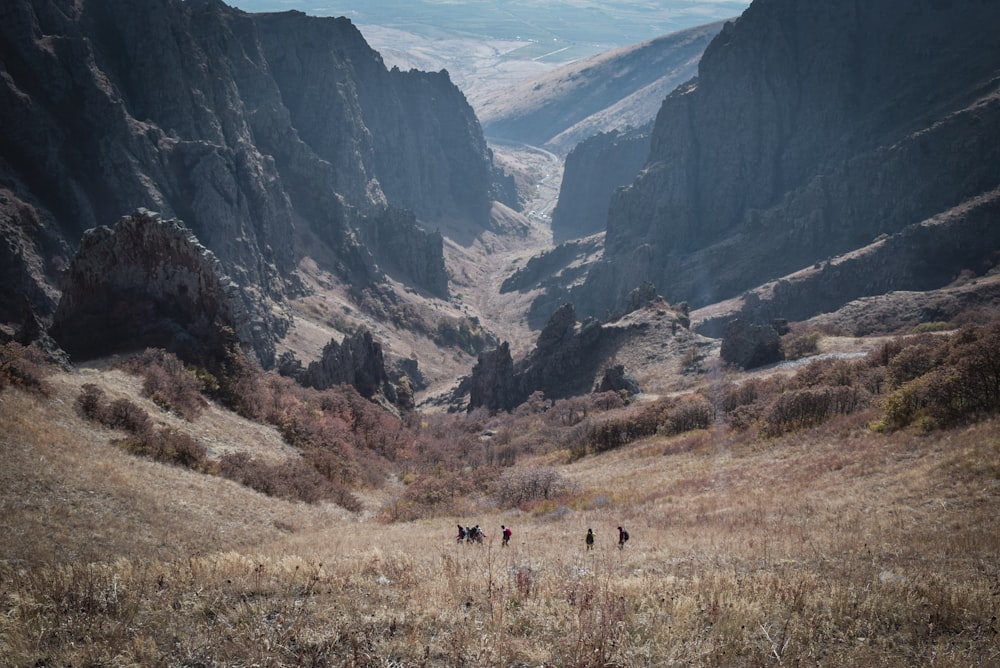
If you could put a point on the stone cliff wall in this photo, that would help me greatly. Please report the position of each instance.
(252, 129)
(594, 169)
(812, 129)
(148, 282)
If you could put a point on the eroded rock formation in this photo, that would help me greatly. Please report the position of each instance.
(148, 282)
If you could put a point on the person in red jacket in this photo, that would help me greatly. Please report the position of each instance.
(506, 535)
(622, 538)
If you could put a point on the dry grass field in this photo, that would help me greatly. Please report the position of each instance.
(834, 546)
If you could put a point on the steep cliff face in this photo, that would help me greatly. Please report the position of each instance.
(252, 129)
(417, 139)
(594, 169)
(812, 129)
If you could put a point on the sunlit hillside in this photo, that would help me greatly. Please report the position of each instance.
(755, 538)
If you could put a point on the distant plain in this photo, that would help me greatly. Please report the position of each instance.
(486, 46)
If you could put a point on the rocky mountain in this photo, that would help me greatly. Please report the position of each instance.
(593, 170)
(614, 90)
(265, 134)
(812, 130)
(148, 281)
(573, 357)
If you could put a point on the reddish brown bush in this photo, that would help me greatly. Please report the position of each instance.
(170, 384)
(119, 414)
(169, 446)
(293, 479)
(24, 367)
(808, 407)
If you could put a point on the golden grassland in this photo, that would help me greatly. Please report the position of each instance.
(834, 547)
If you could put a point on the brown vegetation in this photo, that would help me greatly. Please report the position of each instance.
(769, 524)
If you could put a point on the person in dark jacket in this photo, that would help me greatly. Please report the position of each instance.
(622, 538)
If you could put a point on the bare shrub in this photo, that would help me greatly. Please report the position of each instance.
(691, 413)
(796, 345)
(169, 446)
(611, 434)
(292, 479)
(24, 367)
(731, 396)
(169, 383)
(799, 409)
(519, 486)
(122, 413)
(126, 415)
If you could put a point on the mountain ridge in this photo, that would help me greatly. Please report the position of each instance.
(805, 135)
(613, 90)
(88, 137)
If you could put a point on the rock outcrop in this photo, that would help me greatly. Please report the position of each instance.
(812, 129)
(567, 358)
(749, 345)
(925, 256)
(594, 169)
(262, 133)
(357, 361)
(148, 282)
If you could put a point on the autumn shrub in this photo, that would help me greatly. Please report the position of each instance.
(241, 385)
(690, 413)
(24, 367)
(935, 326)
(808, 407)
(292, 479)
(435, 493)
(515, 487)
(169, 446)
(914, 361)
(796, 345)
(952, 382)
(612, 434)
(731, 396)
(425, 496)
(169, 383)
(121, 413)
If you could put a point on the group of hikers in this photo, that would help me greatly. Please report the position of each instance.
(475, 535)
(622, 538)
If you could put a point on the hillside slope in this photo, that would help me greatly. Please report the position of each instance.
(610, 91)
(873, 534)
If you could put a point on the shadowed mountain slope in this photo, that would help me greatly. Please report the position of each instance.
(811, 130)
(263, 134)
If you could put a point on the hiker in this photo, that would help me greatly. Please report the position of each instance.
(622, 538)
(462, 533)
(506, 535)
(476, 534)
(590, 539)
